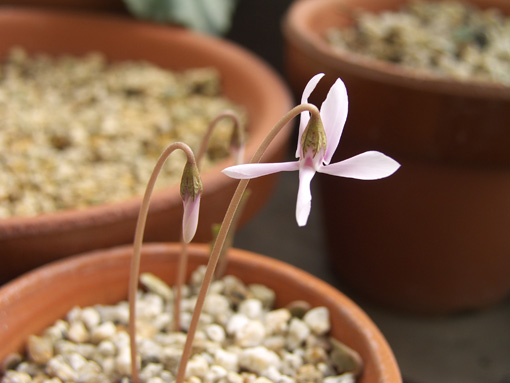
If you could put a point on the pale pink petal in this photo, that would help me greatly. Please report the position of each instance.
(304, 198)
(190, 218)
(370, 165)
(248, 171)
(305, 116)
(333, 114)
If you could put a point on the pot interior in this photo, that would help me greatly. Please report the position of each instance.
(34, 301)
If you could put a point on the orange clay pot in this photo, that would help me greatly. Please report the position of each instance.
(35, 300)
(26, 243)
(433, 238)
(87, 5)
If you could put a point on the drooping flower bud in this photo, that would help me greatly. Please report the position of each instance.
(191, 191)
(314, 141)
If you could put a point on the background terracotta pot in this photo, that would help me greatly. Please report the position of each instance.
(35, 300)
(246, 80)
(431, 238)
(90, 5)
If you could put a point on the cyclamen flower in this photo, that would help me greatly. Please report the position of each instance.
(317, 141)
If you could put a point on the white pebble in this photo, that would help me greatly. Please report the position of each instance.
(263, 294)
(277, 321)
(40, 349)
(226, 359)
(215, 333)
(236, 322)
(58, 330)
(298, 331)
(291, 362)
(151, 370)
(57, 367)
(216, 305)
(251, 335)
(214, 374)
(90, 317)
(123, 362)
(106, 348)
(150, 306)
(233, 377)
(104, 331)
(258, 359)
(78, 333)
(252, 308)
(274, 343)
(317, 320)
(344, 378)
(13, 376)
(157, 286)
(76, 361)
(197, 366)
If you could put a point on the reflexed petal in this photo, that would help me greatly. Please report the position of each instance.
(370, 165)
(305, 116)
(190, 218)
(304, 198)
(247, 171)
(334, 113)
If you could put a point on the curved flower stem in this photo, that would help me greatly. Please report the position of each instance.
(237, 135)
(223, 260)
(225, 226)
(179, 282)
(236, 143)
(137, 247)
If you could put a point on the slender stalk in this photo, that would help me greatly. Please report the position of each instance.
(223, 260)
(237, 135)
(183, 260)
(180, 279)
(137, 246)
(225, 226)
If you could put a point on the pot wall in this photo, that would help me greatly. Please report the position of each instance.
(32, 302)
(29, 242)
(431, 238)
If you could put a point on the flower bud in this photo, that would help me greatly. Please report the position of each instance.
(191, 191)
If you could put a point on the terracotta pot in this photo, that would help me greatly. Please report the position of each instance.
(29, 242)
(35, 300)
(432, 237)
(88, 5)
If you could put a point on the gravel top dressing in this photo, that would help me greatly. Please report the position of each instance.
(445, 38)
(241, 338)
(79, 131)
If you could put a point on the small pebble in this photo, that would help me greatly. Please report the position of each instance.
(317, 320)
(40, 349)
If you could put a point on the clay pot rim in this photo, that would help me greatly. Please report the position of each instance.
(372, 339)
(212, 179)
(296, 27)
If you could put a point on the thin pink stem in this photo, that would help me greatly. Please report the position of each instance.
(181, 276)
(137, 246)
(183, 260)
(222, 234)
(238, 132)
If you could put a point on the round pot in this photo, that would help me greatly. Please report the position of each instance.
(29, 242)
(88, 5)
(35, 300)
(430, 238)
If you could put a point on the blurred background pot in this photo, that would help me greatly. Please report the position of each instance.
(29, 242)
(36, 300)
(433, 237)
